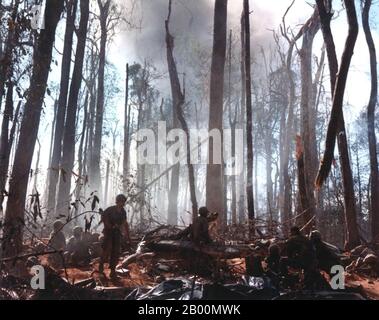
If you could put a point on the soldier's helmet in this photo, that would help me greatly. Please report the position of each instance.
(77, 231)
(120, 198)
(203, 211)
(57, 225)
(315, 235)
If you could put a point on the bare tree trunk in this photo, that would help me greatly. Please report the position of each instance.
(336, 122)
(307, 117)
(303, 190)
(62, 105)
(68, 148)
(269, 184)
(178, 101)
(34, 189)
(6, 63)
(14, 216)
(105, 201)
(232, 123)
(374, 174)
(81, 154)
(214, 179)
(4, 142)
(125, 171)
(91, 124)
(249, 124)
(95, 176)
(241, 120)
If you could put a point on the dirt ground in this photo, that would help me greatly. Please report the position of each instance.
(138, 275)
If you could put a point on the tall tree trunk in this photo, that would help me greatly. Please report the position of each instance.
(95, 176)
(249, 123)
(106, 188)
(242, 116)
(307, 117)
(68, 148)
(4, 141)
(178, 99)
(374, 174)
(81, 154)
(232, 123)
(62, 105)
(91, 125)
(5, 154)
(269, 184)
(286, 186)
(214, 179)
(46, 191)
(125, 170)
(6, 63)
(336, 122)
(14, 216)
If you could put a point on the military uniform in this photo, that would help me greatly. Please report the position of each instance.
(301, 255)
(77, 248)
(57, 241)
(326, 258)
(114, 220)
(200, 231)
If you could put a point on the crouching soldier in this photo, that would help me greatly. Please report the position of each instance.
(77, 249)
(200, 228)
(300, 255)
(115, 229)
(57, 241)
(326, 258)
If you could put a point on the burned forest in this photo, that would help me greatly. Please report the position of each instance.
(189, 150)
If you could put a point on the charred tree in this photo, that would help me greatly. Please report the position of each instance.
(125, 171)
(308, 123)
(249, 122)
(336, 126)
(14, 216)
(68, 147)
(95, 177)
(178, 99)
(232, 123)
(214, 179)
(374, 174)
(242, 116)
(6, 63)
(62, 104)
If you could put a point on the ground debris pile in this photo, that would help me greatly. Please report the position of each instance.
(167, 266)
(364, 260)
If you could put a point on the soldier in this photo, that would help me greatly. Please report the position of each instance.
(199, 230)
(57, 241)
(77, 249)
(300, 255)
(273, 259)
(115, 228)
(326, 258)
(96, 246)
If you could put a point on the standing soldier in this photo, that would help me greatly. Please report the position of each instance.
(115, 228)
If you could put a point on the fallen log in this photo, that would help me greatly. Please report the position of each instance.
(214, 250)
(138, 256)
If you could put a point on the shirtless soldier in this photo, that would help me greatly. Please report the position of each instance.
(115, 228)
